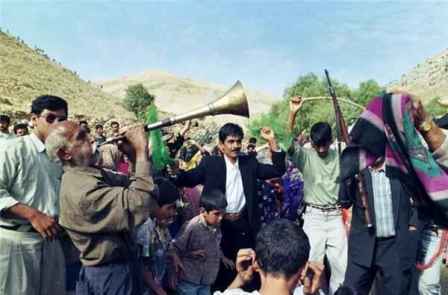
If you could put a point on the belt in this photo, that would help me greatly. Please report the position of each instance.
(25, 228)
(232, 216)
(325, 208)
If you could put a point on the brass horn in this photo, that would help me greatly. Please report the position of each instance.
(233, 102)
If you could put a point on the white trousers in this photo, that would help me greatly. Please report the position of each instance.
(429, 280)
(30, 265)
(328, 237)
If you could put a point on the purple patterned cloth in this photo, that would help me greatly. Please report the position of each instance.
(386, 129)
(292, 193)
(292, 199)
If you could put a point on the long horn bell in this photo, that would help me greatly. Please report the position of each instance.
(233, 102)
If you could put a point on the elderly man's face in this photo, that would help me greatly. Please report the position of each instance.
(81, 150)
(71, 142)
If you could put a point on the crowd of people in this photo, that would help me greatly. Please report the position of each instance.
(85, 212)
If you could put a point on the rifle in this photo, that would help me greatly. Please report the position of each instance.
(342, 136)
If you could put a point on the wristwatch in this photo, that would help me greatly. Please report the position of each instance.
(426, 125)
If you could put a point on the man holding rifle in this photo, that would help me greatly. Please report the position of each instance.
(323, 222)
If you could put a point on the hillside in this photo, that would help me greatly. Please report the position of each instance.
(428, 79)
(177, 95)
(26, 73)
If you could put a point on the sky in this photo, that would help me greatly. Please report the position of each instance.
(265, 44)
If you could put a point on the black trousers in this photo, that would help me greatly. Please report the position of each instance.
(387, 262)
(235, 235)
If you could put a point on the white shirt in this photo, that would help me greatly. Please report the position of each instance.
(234, 187)
(238, 291)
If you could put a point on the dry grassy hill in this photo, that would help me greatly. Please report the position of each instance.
(428, 79)
(26, 73)
(177, 95)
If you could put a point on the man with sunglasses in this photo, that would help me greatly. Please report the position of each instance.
(323, 216)
(31, 258)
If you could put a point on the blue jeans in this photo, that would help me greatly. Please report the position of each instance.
(187, 288)
(429, 280)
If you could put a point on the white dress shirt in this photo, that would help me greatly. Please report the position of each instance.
(234, 187)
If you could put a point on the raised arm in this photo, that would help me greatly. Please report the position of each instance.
(295, 104)
(278, 166)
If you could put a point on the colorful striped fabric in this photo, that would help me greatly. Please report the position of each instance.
(386, 130)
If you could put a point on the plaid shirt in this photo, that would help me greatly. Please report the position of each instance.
(197, 235)
(382, 201)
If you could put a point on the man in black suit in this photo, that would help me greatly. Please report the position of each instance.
(390, 246)
(235, 175)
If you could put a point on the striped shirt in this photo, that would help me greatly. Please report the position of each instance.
(382, 199)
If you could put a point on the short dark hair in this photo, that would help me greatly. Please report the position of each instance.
(321, 133)
(213, 200)
(114, 123)
(83, 122)
(20, 126)
(282, 248)
(253, 140)
(230, 129)
(167, 191)
(5, 119)
(49, 102)
(98, 126)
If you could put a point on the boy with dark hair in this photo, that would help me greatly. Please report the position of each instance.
(198, 246)
(115, 129)
(99, 134)
(280, 258)
(5, 121)
(153, 237)
(21, 129)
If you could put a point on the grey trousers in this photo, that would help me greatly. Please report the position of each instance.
(112, 279)
(30, 265)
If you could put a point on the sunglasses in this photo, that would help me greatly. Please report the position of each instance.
(51, 118)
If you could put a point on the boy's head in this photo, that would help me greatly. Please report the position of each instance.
(99, 130)
(4, 123)
(21, 129)
(321, 138)
(282, 250)
(84, 124)
(230, 138)
(115, 126)
(167, 197)
(213, 205)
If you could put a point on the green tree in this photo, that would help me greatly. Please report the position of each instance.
(435, 108)
(366, 91)
(321, 109)
(137, 100)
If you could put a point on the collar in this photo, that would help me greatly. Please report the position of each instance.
(204, 223)
(84, 170)
(230, 164)
(39, 145)
(380, 169)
